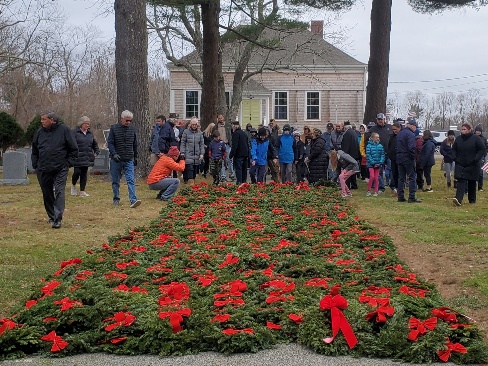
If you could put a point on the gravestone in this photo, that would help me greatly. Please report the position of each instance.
(102, 163)
(14, 169)
(28, 152)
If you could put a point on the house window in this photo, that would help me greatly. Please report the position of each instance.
(313, 106)
(227, 99)
(191, 103)
(281, 105)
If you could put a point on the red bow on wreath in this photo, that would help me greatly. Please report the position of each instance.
(335, 303)
(58, 342)
(444, 354)
(121, 319)
(381, 313)
(418, 328)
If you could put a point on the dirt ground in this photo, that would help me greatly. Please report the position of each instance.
(447, 269)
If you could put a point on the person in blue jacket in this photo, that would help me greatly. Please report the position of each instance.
(260, 148)
(287, 153)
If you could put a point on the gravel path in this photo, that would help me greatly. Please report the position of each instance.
(282, 355)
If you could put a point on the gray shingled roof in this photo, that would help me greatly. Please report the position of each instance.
(294, 49)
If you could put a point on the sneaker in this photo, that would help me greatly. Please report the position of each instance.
(116, 202)
(368, 194)
(456, 202)
(346, 195)
(84, 194)
(381, 192)
(159, 195)
(427, 190)
(135, 204)
(375, 194)
(74, 192)
(480, 189)
(56, 224)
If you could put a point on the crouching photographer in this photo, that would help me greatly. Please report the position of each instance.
(160, 176)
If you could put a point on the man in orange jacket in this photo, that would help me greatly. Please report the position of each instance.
(160, 176)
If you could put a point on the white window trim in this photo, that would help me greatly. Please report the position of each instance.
(287, 106)
(306, 105)
(184, 101)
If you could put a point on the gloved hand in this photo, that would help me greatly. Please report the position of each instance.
(116, 158)
(200, 157)
(181, 157)
(306, 160)
(135, 162)
(376, 166)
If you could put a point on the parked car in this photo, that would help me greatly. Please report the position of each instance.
(440, 136)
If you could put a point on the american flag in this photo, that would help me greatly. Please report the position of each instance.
(412, 114)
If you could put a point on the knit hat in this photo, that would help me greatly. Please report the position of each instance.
(286, 127)
(173, 152)
(262, 132)
(451, 133)
(316, 131)
(478, 128)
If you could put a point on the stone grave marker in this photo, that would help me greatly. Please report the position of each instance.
(14, 169)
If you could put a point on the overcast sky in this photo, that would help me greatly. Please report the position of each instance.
(451, 45)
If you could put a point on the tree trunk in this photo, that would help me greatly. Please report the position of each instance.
(379, 56)
(210, 62)
(131, 71)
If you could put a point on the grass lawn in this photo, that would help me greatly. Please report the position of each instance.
(444, 244)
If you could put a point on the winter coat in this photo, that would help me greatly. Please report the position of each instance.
(406, 146)
(392, 148)
(87, 148)
(427, 153)
(216, 150)
(163, 168)
(240, 146)
(347, 162)
(446, 151)
(306, 150)
(259, 151)
(287, 149)
(300, 150)
(192, 146)
(375, 154)
(228, 132)
(350, 144)
(53, 149)
(467, 151)
(419, 142)
(167, 137)
(318, 160)
(122, 140)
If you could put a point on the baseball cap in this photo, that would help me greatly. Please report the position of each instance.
(371, 124)
(330, 125)
(380, 116)
(412, 122)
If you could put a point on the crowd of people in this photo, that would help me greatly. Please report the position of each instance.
(385, 155)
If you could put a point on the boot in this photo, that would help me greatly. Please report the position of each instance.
(448, 184)
(191, 182)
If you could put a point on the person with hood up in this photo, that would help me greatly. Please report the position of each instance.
(160, 176)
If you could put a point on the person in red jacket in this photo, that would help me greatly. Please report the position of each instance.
(160, 176)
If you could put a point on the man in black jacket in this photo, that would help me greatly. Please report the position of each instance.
(122, 145)
(239, 152)
(54, 150)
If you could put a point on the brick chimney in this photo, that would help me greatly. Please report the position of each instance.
(317, 27)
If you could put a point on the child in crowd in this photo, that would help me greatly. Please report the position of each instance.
(216, 154)
(261, 148)
(349, 167)
(375, 158)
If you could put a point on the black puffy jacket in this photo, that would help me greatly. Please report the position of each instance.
(122, 140)
(318, 160)
(467, 151)
(87, 148)
(53, 149)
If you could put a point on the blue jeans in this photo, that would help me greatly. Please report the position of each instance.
(167, 185)
(228, 162)
(116, 173)
(407, 170)
(240, 168)
(257, 173)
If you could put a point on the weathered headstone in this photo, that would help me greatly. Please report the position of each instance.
(28, 152)
(101, 164)
(14, 169)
